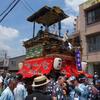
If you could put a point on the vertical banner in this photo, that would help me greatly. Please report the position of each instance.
(78, 59)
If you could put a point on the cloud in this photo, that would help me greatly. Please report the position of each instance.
(9, 40)
(72, 9)
(17, 50)
(22, 41)
(7, 33)
(68, 24)
(3, 46)
(68, 20)
(73, 5)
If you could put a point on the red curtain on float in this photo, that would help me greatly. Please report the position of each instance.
(45, 65)
(72, 70)
(36, 66)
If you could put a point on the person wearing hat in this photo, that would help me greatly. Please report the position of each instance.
(39, 85)
(7, 94)
(80, 90)
(20, 92)
(82, 78)
(95, 78)
(70, 81)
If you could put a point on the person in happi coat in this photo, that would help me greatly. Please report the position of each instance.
(7, 94)
(20, 91)
(80, 91)
(39, 85)
(58, 92)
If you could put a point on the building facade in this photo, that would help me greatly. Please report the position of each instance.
(11, 64)
(89, 29)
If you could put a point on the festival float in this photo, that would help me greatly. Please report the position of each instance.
(48, 52)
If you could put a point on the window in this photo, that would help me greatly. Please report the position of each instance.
(93, 43)
(93, 15)
(13, 62)
(97, 68)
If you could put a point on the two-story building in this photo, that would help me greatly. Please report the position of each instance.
(11, 64)
(89, 29)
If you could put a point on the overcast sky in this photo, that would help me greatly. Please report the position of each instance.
(14, 28)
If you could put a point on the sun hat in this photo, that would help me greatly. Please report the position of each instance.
(72, 78)
(40, 81)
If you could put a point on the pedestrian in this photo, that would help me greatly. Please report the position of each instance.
(7, 76)
(7, 94)
(1, 85)
(39, 92)
(95, 78)
(82, 78)
(20, 91)
(59, 92)
(80, 90)
(51, 84)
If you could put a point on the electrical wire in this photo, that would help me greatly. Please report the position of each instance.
(26, 6)
(9, 10)
(7, 7)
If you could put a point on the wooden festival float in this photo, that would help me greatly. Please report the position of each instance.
(45, 46)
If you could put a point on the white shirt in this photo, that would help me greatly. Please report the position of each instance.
(20, 92)
(7, 94)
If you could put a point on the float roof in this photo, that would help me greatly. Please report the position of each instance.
(48, 16)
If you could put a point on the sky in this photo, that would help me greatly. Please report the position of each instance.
(15, 29)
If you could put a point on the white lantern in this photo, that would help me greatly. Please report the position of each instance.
(57, 63)
(20, 65)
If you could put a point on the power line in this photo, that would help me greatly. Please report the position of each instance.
(24, 4)
(9, 10)
(7, 7)
(28, 4)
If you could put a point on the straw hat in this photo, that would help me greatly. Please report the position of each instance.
(40, 81)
